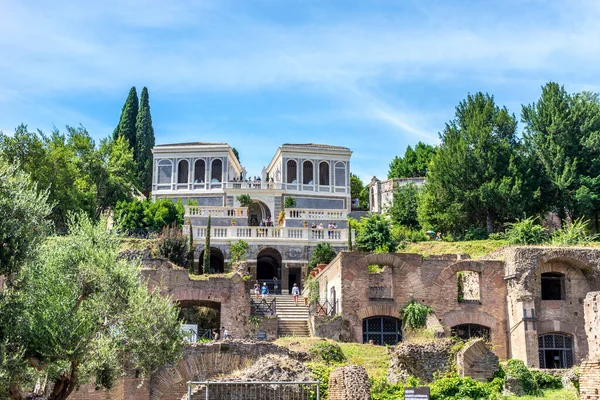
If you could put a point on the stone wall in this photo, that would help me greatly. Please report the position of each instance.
(419, 360)
(350, 382)
(476, 360)
(589, 380)
(330, 327)
(269, 326)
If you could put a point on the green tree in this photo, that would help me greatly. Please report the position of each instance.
(238, 252)
(374, 234)
(356, 186)
(24, 222)
(81, 312)
(144, 142)
(323, 253)
(414, 163)
(237, 154)
(404, 206)
(562, 132)
(127, 123)
(475, 176)
(206, 261)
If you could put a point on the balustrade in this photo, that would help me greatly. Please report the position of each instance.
(231, 212)
(251, 233)
(309, 214)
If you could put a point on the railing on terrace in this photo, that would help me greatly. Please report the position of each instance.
(276, 233)
(193, 334)
(324, 308)
(309, 215)
(201, 211)
(250, 185)
(263, 307)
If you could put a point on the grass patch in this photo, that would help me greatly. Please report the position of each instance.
(561, 394)
(375, 359)
(136, 244)
(474, 248)
(205, 277)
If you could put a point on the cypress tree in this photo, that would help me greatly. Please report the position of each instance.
(126, 127)
(144, 142)
(191, 248)
(206, 261)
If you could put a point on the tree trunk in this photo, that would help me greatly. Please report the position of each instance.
(64, 384)
(489, 223)
(14, 392)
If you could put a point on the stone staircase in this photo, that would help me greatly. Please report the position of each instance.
(293, 320)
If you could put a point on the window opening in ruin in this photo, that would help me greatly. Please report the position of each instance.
(382, 330)
(468, 285)
(292, 177)
(217, 261)
(216, 173)
(553, 286)
(182, 172)
(555, 351)
(469, 331)
(199, 319)
(375, 268)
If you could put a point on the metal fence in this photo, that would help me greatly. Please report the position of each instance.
(254, 390)
(324, 308)
(263, 307)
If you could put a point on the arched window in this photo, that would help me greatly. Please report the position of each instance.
(292, 176)
(324, 173)
(199, 171)
(382, 330)
(553, 286)
(182, 171)
(340, 174)
(555, 351)
(468, 331)
(165, 171)
(307, 173)
(216, 173)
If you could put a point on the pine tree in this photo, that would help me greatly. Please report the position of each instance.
(206, 261)
(144, 142)
(126, 127)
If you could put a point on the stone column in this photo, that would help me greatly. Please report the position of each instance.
(284, 278)
(523, 342)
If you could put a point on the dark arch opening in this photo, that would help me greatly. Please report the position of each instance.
(200, 317)
(324, 173)
(268, 264)
(555, 351)
(469, 331)
(217, 261)
(199, 171)
(216, 173)
(307, 173)
(291, 172)
(182, 171)
(553, 286)
(382, 330)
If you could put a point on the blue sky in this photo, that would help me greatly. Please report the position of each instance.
(372, 75)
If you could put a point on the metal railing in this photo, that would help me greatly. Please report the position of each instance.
(324, 308)
(207, 390)
(273, 285)
(192, 334)
(263, 307)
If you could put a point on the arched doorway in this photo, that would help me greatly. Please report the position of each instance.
(199, 318)
(217, 261)
(382, 330)
(555, 351)
(268, 269)
(258, 212)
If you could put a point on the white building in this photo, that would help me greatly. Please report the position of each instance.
(316, 176)
(381, 194)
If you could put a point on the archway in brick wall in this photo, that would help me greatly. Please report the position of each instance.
(200, 318)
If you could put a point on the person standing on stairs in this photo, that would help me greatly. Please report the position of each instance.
(265, 290)
(295, 293)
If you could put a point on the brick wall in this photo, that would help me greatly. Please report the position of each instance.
(476, 360)
(589, 380)
(350, 382)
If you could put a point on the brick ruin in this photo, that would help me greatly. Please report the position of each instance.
(527, 301)
(589, 380)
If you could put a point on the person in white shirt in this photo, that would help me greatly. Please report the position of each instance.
(295, 293)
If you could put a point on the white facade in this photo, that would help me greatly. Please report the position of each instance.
(381, 194)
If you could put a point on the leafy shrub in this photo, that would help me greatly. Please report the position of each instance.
(455, 387)
(375, 269)
(238, 251)
(381, 389)
(141, 217)
(414, 314)
(374, 233)
(321, 372)
(545, 380)
(476, 233)
(289, 202)
(322, 254)
(172, 245)
(573, 233)
(517, 369)
(244, 199)
(497, 236)
(329, 353)
(402, 233)
(313, 287)
(448, 238)
(525, 231)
